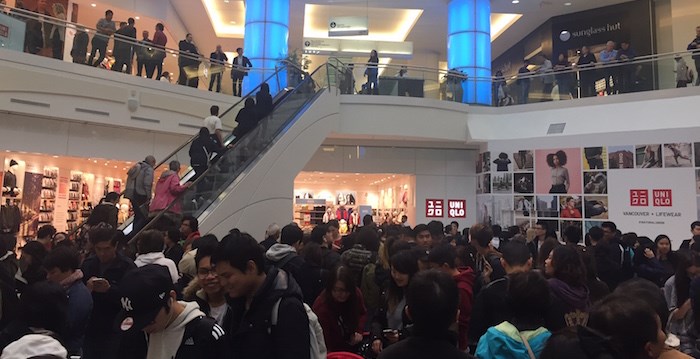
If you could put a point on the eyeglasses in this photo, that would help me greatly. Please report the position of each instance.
(204, 272)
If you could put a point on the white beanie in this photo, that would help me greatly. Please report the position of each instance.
(32, 345)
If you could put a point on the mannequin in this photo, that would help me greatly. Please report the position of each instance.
(9, 186)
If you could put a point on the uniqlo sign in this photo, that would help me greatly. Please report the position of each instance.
(662, 198)
(639, 197)
(456, 208)
(434, 208)
(659, 198)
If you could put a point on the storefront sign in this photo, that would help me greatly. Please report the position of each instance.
(348, 26)
(434, 208)
(652, 201)
(456, 208)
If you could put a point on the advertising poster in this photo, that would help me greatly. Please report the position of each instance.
(651, 202)
(558, 171)
(31, 203)
(61, 209)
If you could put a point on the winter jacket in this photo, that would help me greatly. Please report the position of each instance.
(247, 119)
(168, 189)
(79, 309)
(9, 303)
(106, 305)
(194, 293)
(490, 308)
(309, 277)
(174, 253)
(333, 319)
(504, 342)
(465, 284)
(139, 180)
(159, 259)
(356, 259)
(192, 335)
(201, 149)
(252, 334)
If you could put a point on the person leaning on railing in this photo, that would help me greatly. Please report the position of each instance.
(695, 47)
(105, 28)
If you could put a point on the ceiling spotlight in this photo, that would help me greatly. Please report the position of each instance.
(567, 4)
(93, 5)
(233, 22)
(516, 1)
(226, 1)
(137, 17)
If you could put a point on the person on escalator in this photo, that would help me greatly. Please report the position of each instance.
(247, 118)
(200, 152)
(263, 101)
(168, 189)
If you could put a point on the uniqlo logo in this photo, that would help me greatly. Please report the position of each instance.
(639, 197)
(456, 208)
(662, 198)
(434, 208)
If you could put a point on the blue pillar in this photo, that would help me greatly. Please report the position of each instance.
(469, 47)
(266, 40)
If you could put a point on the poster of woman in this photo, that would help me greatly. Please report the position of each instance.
(558, 171)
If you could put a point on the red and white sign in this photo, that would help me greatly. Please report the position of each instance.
(434, 208)
(456, 208)
(641, 201)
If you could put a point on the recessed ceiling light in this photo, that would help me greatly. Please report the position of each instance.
(567, 4)
(516, 1)
(93, 5)
(226, 1)
(137, 17)
(233, 22)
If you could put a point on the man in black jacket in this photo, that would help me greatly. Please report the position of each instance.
(106, 212)
(258, 298)
(188, 49)
(123, 50)
(695, 231)
(218, 60)
(240, 65)
(102, 274)
(490, 306)
(175, 329)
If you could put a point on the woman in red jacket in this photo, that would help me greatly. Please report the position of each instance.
(168, 189)
(341, 311)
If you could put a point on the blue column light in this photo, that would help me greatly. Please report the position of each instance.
(266, 40)
(469, 47)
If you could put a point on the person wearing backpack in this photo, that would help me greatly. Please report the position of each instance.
(139, 185)
(269, 318)
(284, 256)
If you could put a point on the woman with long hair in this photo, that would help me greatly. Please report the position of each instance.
(567, 283)
(666, 255)
(677, 293)
(341, 312)
(646, 264)
(389, 322)
(560, 175)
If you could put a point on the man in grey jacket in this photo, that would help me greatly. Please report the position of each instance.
(139, 186)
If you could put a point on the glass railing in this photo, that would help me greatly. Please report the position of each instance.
(243, 151)
(50, 35)
(181, 154)
(565, 81)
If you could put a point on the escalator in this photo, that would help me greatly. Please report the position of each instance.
(226, 184)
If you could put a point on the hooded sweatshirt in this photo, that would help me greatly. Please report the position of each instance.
(165, 344)
(168, 189)
(158, 258)
(570, 305)
(465, 285)
(503, 342)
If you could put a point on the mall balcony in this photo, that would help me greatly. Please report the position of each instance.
(420, 123)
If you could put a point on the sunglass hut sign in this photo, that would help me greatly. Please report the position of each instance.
(591, 31)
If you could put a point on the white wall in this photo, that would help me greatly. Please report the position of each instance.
(38, 86)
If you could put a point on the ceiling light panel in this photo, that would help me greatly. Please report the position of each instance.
(227, 17)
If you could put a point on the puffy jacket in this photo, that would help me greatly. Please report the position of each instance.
(465, 284)
(168, 189)
(309, 277)
(503, 342)
(253, 336)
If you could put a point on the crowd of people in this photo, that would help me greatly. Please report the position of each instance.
(383, 291)
(148, 53)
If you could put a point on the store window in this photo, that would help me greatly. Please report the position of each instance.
(321, 196)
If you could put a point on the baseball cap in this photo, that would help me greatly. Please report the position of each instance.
(33, 345)
(144, 292)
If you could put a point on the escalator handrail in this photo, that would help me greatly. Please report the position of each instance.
(204, 175)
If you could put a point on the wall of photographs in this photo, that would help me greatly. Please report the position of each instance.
(649, 189)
